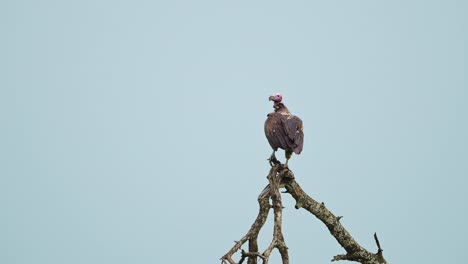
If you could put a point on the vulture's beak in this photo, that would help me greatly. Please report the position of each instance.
(271, 98)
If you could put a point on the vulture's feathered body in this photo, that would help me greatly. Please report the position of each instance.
(283, 130)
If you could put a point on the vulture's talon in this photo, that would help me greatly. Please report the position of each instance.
(273, 161)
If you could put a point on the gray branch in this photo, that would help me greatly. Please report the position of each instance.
(271, 191)
(354, 251)
(278, 239)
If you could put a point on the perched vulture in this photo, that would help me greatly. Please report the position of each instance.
(283, 130)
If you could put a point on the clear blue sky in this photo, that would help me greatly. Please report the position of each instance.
(132, 131)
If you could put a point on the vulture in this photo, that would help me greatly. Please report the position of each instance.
(283, 130)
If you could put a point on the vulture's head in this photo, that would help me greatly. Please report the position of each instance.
(276, 98)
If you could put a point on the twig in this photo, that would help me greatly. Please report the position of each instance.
(380, 250)
(377, 242)
(251, 255)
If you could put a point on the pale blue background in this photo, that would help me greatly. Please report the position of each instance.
(132, 131)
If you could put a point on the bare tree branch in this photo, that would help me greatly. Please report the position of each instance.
(278, 239)
(354, 251)
(252, 234)
(280, 176)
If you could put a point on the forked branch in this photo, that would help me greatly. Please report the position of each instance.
(278, 239)
(281, 176)
(271, 191)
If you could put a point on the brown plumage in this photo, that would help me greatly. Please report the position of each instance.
(283, 130)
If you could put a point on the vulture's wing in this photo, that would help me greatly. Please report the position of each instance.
(295, 131)
(275, 131)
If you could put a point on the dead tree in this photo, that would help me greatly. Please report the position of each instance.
(279, 177)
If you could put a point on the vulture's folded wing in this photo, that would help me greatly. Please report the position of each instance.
(295, 131)
(276, 133)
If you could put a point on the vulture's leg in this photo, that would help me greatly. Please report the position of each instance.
(288, 156)
(273, 159)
